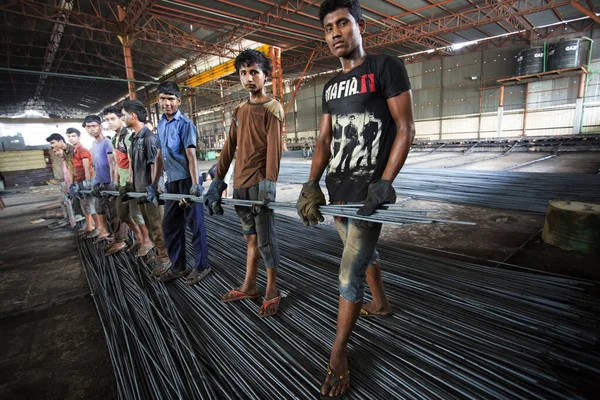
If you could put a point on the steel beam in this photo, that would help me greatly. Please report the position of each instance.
(490, 13)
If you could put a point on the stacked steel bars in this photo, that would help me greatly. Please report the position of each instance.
(459, 330)
(520, 191)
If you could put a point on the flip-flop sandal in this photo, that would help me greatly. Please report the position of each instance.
(267, 303)
(143, 251)
(116, 248)
(93, 234)
(86, 234)
(99, 239)
(171, 275)
(336, 379)
(236, 295)
(365, 314)
(57, 225)
(158, 271)
(196, 276)
(133, 249)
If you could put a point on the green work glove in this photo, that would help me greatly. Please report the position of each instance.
(311, 197)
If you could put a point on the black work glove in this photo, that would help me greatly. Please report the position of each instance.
(186, 203)
(212, 198)
(74, 191)
(380, 192)
(196, 190)
(311, 197)
(96, 190)
(143, 200)
(152, 194)
(123, 190)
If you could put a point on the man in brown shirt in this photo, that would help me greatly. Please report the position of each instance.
(255, 132)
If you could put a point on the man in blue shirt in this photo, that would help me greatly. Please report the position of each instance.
(176, 155)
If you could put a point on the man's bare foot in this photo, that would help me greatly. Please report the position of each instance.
(337, 381)
(272, 307)
(373, 308)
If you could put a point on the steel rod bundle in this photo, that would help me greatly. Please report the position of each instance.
(459, 330)
(393, 216)
(520, 191)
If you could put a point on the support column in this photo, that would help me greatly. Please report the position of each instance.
(441, 98)
(277, 81)
(500, 112)
(127, 41)
(578, 120)
(525, 109)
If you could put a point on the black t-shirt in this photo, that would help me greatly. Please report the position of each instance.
(142, 155)
(363, 129)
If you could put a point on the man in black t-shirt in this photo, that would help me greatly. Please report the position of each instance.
(368, 84)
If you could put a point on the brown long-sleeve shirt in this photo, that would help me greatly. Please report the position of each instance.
(256, 133)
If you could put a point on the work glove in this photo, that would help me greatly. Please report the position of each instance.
(196, 190)
(212, 198)
(266, 194)
(87, 185)
(311, 197)
(123, 190)
(380, 192)
(96, 190)
(152, 194)
(114, 186)
(74, 191)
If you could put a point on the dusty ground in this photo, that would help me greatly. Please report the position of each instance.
(53, 345)
(52, 342)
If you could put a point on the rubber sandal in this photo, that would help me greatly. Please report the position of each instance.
(237, 296)
(267, 303)
(143, 251)
(365, 314)
(99, 239)
(171, 275)
(196, 276)
(116, 248)
(87, 234)
(336, 379)
(161, 268)
(133, 249)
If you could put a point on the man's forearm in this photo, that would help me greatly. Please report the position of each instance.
(192, 164)
(320, 160)
(399, 153)
(157, 169)
(86, 169)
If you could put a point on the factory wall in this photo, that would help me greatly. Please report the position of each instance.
(457, 97)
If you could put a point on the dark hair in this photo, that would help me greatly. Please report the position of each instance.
(73, 130)
(249, 57)
(55, 136)
(135, 107)
(112, 110)
(329, 6)
(91, 119)
(169, 87)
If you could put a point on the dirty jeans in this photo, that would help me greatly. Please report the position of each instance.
(359, 252)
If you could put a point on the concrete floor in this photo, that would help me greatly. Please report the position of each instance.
(53, 345)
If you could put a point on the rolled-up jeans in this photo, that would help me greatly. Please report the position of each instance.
(359, 253)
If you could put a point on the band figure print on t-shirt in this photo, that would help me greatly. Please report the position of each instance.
(355, 143)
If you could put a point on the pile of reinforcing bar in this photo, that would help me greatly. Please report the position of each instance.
(459, 330)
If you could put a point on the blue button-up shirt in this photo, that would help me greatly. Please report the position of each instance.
(174, 137)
